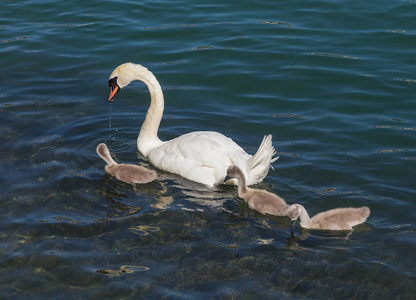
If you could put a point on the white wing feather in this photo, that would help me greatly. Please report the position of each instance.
(202, 156)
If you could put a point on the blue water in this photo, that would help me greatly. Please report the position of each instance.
(334, 83)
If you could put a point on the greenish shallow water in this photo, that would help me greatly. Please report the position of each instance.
(334, 83)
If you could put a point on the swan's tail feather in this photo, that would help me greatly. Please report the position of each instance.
(258, 165)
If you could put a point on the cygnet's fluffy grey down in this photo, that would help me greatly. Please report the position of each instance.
(334, 219)
(260, 200)
(125, 172)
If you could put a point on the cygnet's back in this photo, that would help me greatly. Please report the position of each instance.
(340, 218)
(259, 200)
(125, 172)
(265, 202)
(334, 219)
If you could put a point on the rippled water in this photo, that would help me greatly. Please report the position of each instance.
(333, 81)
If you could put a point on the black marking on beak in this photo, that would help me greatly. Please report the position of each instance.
(115, 88)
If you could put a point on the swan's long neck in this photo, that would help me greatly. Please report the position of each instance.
(148, 139)
(305, 220)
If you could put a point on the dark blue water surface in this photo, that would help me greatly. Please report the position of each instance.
(334, 82)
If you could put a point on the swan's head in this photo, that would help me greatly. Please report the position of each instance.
(293, 212)
(121, 77)
(233, 171)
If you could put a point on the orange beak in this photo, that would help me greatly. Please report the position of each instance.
(114, 91)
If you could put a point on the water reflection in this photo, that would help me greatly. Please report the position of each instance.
(144, 229)
(119, 197)
(323, 237)
(126, 269)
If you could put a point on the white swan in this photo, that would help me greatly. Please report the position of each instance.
(262, 201)
(124, 172)
(201, 156)
(333, 219)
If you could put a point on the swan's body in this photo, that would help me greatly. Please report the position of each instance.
(334, 219)
(124, 172)
(260, 200)
(201, 156)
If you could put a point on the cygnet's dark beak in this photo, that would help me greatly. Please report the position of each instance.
(292, 225)
(112, 83)
(227, 178)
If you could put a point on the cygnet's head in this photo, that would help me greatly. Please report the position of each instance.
(293, 212)
(233, 171)
(121, 77)
(102, 150)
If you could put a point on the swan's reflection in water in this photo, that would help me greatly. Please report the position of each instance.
(198, 196)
